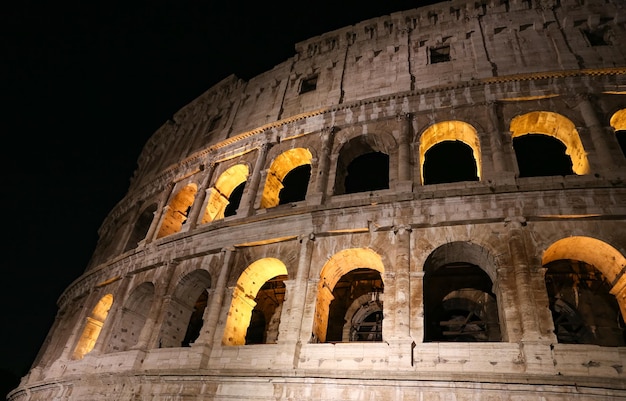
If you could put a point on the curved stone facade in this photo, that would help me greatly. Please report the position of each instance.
(425, 205)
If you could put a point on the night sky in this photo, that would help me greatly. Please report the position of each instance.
(84, 85)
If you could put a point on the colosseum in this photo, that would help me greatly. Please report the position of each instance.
(427, 205)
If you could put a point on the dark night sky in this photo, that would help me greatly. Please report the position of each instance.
(84, 85)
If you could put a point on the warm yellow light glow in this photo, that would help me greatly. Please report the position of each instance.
(280, 167)
(618, 120)
(337, 266)
(567, 216)
(176, 213)
(608, 260)
(93, 326)
(242, 303)
(526, 98)
(556, 126)
(109, 281)
(450, 131)
(219, 194)
(265, 241)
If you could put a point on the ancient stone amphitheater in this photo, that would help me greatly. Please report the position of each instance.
(428, 205)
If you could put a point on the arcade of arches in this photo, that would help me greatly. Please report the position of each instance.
(544, 144)
(461, 300)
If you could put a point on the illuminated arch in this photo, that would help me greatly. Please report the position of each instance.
(337, 266)
(598, 256)
(450, 131)
(281, 166)
(93, 326)
(220, 193)
(618, 120)
(556, 126)
(608, 260)
(176, 212)
(244, 293)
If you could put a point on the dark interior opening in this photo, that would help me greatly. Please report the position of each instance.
(541, 155)
(234, 200)
(449, 161)
(295, 185)
(196, 321)
(368, 172)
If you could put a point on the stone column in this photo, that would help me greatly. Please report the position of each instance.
(401, 296)
(216, 299)
(602, 162)
(416, 308)
(396, 325)
(79, 327)
(293, 308)
(495, 140)
(500, 170)
(199, 201)
(149, 336)
(404, 183)
(523, 281)
(158, 215)
(114, 316)
(251, 190)
(318, 195)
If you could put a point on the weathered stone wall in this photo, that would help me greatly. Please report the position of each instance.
(385, 85)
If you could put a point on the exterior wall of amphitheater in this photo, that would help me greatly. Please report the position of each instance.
(478, 74)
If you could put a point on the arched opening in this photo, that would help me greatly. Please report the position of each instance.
(295, 185)
(196, 320)
(234, 200)
(254, 314)
(368, 172)
(277, 184)
(583, 310)
(618, 122)
(445, 141)
(256, 330)
(362, 165)
(553, 125)
(541, 155)
(184, 310)
(580, 275)
(141, 227)
(351, 286)
(224, 197)
(93, 327)
(133, 318)
(363, 320)
(177, 210)
(459, 303)
(265, 319)
(349, 277)
(438, 168)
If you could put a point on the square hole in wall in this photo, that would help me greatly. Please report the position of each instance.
(439, 54)
(308, 84)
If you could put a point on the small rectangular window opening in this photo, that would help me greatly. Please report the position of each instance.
(308, 84)
(439, 54)
(595, 37)
(215, 123)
